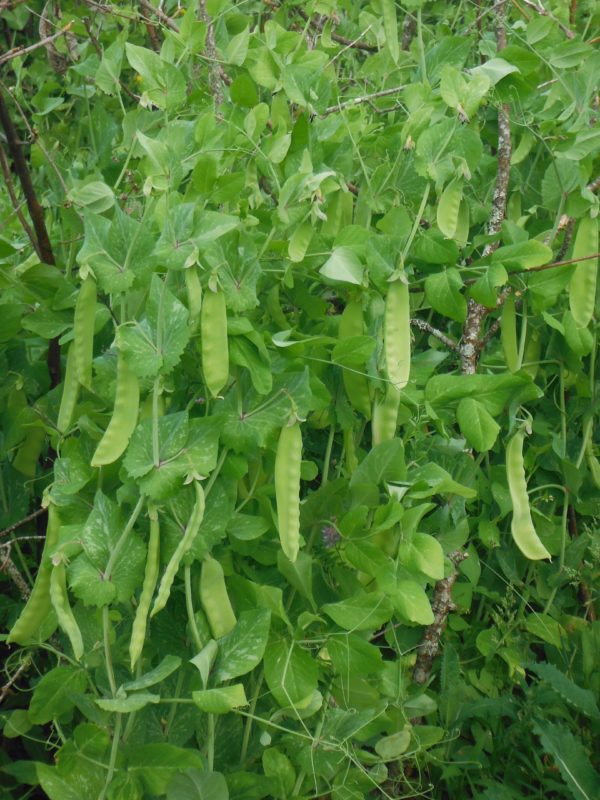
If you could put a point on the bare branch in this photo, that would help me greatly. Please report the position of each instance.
(16, 52)
(442, 605)
(160, 15)
(422, 325)
(356, 101)
(356, 43)
(215, 71)
(9, 566)
(26, 663)
(21, 522)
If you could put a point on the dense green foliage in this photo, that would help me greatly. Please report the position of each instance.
(300, 250)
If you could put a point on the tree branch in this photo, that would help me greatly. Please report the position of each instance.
(160, 15)
(425, 326)
(336, 37)
(21, 522)
(36, 212)
(215, 71)
(23, 51)
(356, 101)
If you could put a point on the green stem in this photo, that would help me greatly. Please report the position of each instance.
(210, 743)
(189, 604)
(327, 458)
(113, 756)
(155, 416)
(416, 224)
(116, 551)
(215, 473)
(249, 720)
(107, 654)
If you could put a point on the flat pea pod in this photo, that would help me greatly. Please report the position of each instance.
(194, 294)
(187, 540)
(68, 399)
(356, 385)
(138, 630)
(214, 598)
(448, 208)
(508, 334)
(287, 488)
(38, 604)
(83, 330)
(124, 417)
(396, 333)
(60, 601)
(385, 416)
(531, 357)
(522, 528)
(582, 287)
(29, 452)
(215, 347)
(463, 224)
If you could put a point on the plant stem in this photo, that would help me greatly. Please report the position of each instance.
(189, 604)
(116, 551)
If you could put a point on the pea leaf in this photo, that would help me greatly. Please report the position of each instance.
(243, 648)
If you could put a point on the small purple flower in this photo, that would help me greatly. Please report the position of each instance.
(330, 536)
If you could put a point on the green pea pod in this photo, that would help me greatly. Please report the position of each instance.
(60, 600)
(385, 416)
(215, 347)
(531, 357)
(29, 452)
(124, 418)
(357, 386)
(38, 605)
(194, 293)
(187, 540)
(83, 330)
(508, 334)
(396, 333)
(214, 598)
(582, 288)
(287, 488)
(463, 224)
(448, 208)
(522, 528)
(138, 630)
(68, 400)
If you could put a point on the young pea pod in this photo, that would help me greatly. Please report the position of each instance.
(60, 600)
(83, 330)
(522, 528)
(531, 357)
(29, 452)
(187, 540)
(356, 385)
(68, 401)
(508, 333)
(463, 224)
(138, 630)
(214, 598)
(194, 293)
(396, 333)
(385, 416)
(582, 288)
(448, 208)
(287, 488)
(215, 347)
(124, 418)
(38, 605)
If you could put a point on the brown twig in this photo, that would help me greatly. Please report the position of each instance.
(367, 98)
(9, 566)
(422, 325)
(409, 26)
(26, 663)
(442, 605)
(215, 71)
(160, 15)
(5, 167)
(16, 525)
(36, 212)
(336, 37)
(16, 52)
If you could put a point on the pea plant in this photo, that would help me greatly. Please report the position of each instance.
(299, 477)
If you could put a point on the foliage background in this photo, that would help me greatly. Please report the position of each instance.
(297, 154)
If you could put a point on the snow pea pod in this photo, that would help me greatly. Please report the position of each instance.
(214, 598)
(124, 418)
(194, 294)
(287, 488)
(385, 416)
(38, 605)
(83, 330)
(68, 400)
(522, 528)
(508, 333)
(60, 600)
(215, 347)
(187, 540)
(396, 333)
(138, 630)
(356, 385)
(582, 288)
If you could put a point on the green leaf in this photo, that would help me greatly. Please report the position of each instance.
(95, 196)
(411, 602)
(523, 255)
(155, 765)
(84, 780)
(243, 648)
(476, 424)
(107, 74)
(220, 701)
(343, 266)
(361, 612)
(237, 49)
(443, 292)
(484, 289)
(390, 26)
(494, 392)
(571, 759)
(383, 463)
(194, 784)
(389, 748)
(162, 82)
(290, 672)
(54, 695)
(125, 705)
(582, 700)
(495, 69)
(423, 554)
(167, 666)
